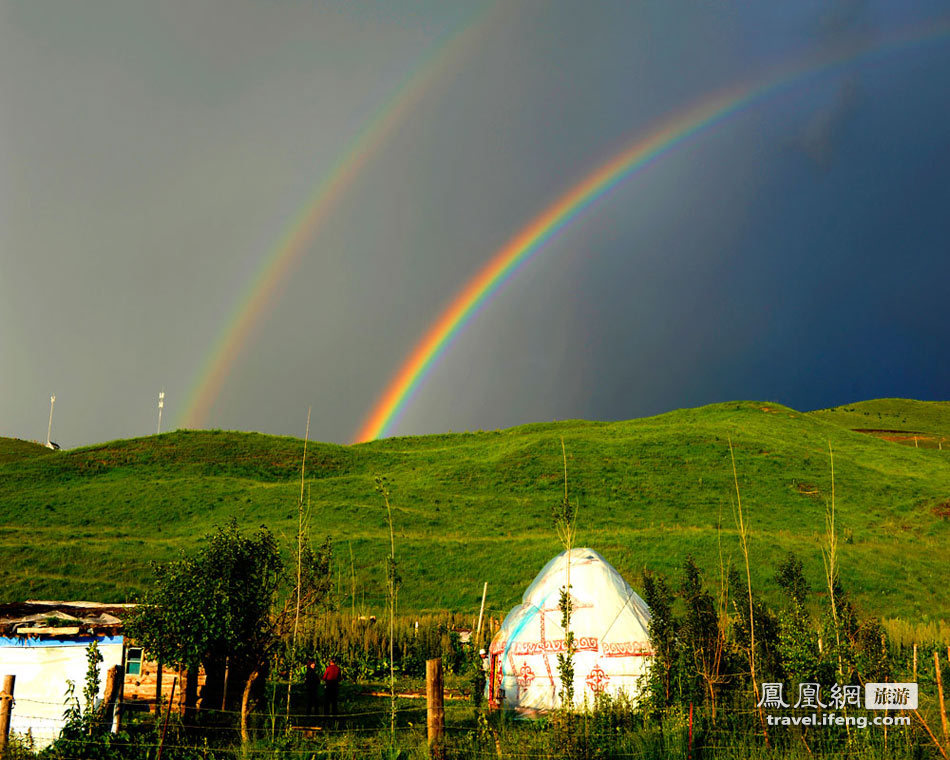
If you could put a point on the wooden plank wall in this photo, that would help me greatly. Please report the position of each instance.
(153, 686)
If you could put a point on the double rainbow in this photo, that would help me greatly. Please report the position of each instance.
(519, 250)
(437, 67)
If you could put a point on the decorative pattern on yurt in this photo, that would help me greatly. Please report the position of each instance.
(610, 623)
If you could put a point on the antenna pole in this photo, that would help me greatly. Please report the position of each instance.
(49, 430)
(161, 405)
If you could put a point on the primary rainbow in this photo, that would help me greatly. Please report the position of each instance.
(658, 141)
(291, 246)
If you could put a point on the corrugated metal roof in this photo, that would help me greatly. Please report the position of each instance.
(21, 617)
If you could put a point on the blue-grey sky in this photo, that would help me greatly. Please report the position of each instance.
(153, 154)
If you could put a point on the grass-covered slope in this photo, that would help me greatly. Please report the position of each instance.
(14, 449)
(901, 420)
(476, 506)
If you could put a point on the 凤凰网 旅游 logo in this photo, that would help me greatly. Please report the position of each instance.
(822, 702)
(809, 695)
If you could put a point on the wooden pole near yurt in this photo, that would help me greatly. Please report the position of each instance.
(435, 706)
(6, 706)
(481, 614)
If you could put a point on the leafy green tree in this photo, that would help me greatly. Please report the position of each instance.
(664, 634)
(213, 604)
(871, 655)
(799, 653)
(220, 605)
(839, 631)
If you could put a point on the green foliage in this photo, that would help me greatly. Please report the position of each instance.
(564, 516)
(700, 628)
(361, 647)
(664, 636)
(871, 652)
(475, 669)
(213, 604)
(839, 628)
(610, 727)
(767, 657)
(798, 636)
(565, 659)
(20, 747)
(393, 579)
(791, 579)
(91, 687)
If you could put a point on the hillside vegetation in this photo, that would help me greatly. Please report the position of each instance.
(916, 423)
(475, 507)
(15, 449)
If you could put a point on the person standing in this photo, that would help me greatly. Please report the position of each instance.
(311, 682)
(331, 679)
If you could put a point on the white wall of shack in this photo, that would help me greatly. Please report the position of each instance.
(42, 669)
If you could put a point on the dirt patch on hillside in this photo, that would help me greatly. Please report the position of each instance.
(906, 437)
(942, 510)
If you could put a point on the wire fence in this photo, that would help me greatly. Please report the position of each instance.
(307, 735)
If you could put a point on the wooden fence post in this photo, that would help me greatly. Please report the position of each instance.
(168, 711)
(690, 751)
(435, 712)
(943, 707)
(224, 691)
(6, 707)
(110, 699)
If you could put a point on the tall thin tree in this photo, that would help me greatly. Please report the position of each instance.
(300, 533)
(565, 526)
(392, 587)
(740, 521)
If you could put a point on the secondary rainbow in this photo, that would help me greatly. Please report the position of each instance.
(294, 242)
(644, 150)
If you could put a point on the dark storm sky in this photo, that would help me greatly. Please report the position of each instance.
(152, 155)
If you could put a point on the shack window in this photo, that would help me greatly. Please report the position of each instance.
(133, 661)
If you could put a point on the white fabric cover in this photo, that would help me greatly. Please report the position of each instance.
(42, 667)
(610, 625)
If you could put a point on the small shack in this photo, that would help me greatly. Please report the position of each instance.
(44, 644)
(610, 623)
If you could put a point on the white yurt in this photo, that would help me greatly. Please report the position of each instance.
(610, 623)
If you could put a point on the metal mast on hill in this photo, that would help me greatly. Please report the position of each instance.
(49, 429)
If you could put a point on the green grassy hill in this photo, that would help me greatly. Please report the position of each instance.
(476, 506)
(14, 449)
(900, 420)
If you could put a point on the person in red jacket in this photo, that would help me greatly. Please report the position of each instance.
(331, 678)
